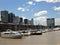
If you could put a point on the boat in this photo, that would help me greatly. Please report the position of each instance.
(43, 31)
(36, 32)
(26, 33)
(33, 32)
(11, 34)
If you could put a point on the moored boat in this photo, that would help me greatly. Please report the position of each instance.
(26, 33)
(36, 33)
(11, 34)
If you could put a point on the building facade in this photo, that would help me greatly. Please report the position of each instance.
(32, 21)
(21, 21)
(17, 20)
(11, 18)
(25, 21)
(4, 16)
(50, 22)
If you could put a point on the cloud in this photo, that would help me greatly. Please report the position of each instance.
(22, 9)
(37, 0)
(52, 0)
(57, 21)
(24, 17)
(47, 0)
(30, 3)
(40, 20)
(57, 8)
(40, 13)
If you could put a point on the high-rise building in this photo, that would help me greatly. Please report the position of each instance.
(32, 21)
(21, 20)
(25, 21)
(29, 22)
(0, 16)
(50, 22)
(11, 17)
(17, 19)
(4, 16)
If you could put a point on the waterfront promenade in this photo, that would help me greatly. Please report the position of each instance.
(48, 38)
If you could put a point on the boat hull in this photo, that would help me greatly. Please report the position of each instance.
(11, 36)
(36, 33)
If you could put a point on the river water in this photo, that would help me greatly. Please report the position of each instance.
(49, 38)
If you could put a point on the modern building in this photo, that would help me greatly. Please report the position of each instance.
(32, 21)
(17, 20)
(29, 22)
(11, 18)
(50, 22)
(25, 21)
(21, 21)
(4, 16)
(0, 16)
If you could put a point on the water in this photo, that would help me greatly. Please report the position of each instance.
(49, 38)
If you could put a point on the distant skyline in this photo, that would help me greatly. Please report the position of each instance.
(37, 9)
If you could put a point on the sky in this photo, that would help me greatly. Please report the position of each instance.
(39, 10)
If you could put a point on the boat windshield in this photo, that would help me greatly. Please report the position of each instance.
(17, 33)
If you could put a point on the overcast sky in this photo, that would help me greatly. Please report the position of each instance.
(37, 9)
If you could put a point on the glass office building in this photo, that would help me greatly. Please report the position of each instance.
(11, 17)
(21, 21)
(50, 22)
(25, 21)
(4, 16)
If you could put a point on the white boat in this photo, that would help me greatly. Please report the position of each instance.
(43, 31)
(38, 33)
(57, 28)
(26, 33)
(33, 32)
(11, 34)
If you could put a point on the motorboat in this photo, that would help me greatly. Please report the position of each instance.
(33, 32)
(11, 34)
(36, 32)
(43, 31)
(26, 33)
